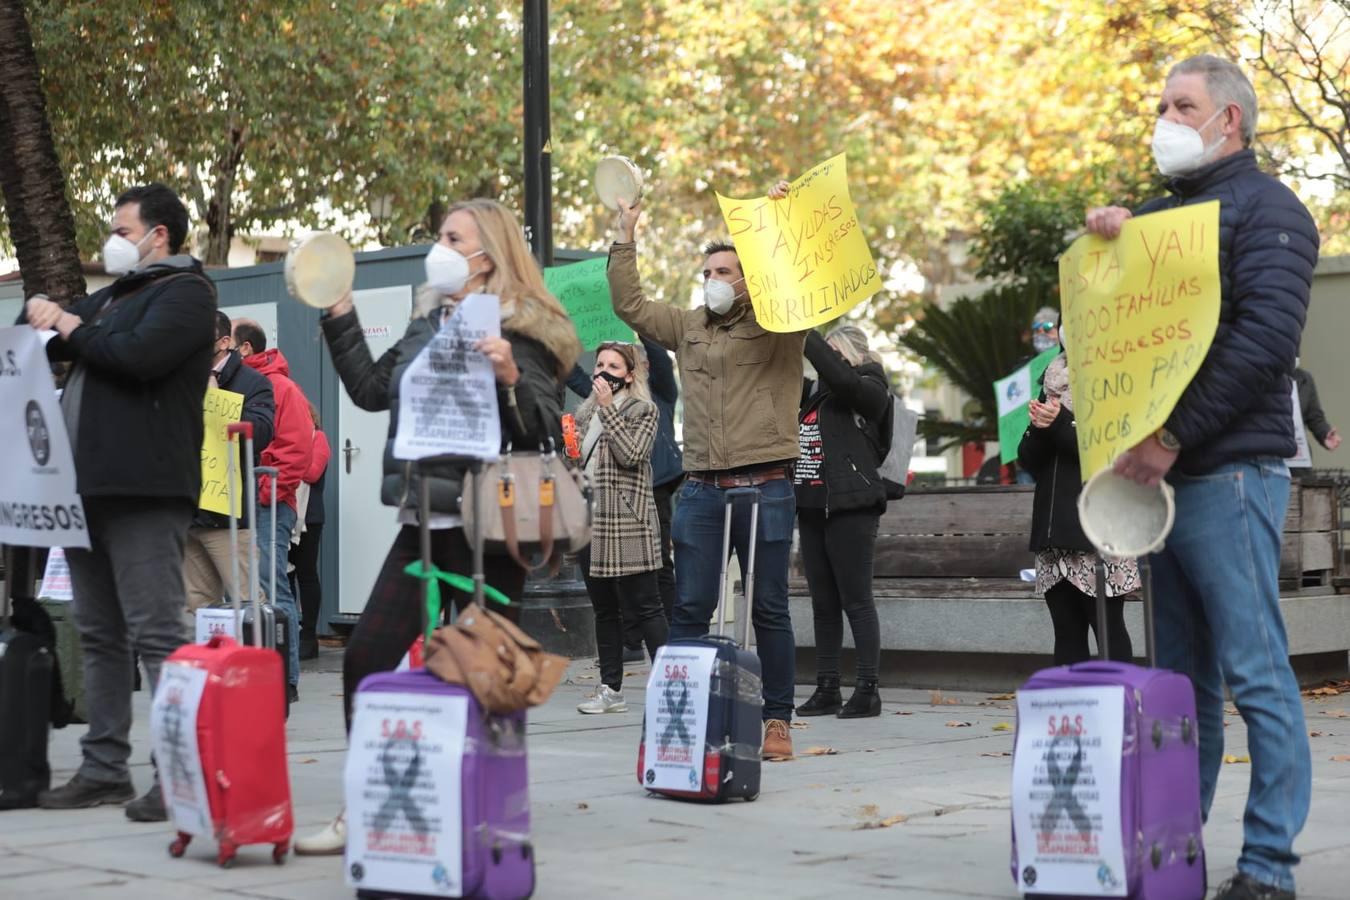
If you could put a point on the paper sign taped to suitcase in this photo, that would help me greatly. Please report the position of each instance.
(214, 621)
(56, 578)
(1066, 791)
(404, 808)
(173, 732)
(676, 726)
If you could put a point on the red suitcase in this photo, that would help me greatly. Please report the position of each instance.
(219, 729)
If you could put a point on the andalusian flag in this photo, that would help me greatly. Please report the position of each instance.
(1014, 393)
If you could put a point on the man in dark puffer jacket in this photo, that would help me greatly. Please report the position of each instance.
(1223, 450)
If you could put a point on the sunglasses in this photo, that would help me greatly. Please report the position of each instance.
(1046, 327)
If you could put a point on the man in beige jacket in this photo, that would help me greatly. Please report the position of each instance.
(742, 389)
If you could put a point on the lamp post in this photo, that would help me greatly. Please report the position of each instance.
(538, 152)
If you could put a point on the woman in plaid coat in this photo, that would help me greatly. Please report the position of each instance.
(618, 423)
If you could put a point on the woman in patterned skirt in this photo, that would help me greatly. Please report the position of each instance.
(1065, 558)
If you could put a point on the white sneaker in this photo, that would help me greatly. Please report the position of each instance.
(604, 701)
(330, 841)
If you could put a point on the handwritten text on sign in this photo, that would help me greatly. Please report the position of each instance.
(583, 290)
(221, 409)
(1141, 313)
(805, 259)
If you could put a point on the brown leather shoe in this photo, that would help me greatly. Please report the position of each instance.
(777, 739)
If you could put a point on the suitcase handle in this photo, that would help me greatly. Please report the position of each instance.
(747, 576)
(244, 428)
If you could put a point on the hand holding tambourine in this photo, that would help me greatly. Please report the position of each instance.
(319, 272)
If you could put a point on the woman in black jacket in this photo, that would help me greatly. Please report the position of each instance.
(840, 500)
(1065, 558)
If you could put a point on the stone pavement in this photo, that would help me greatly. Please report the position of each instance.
(911, 805)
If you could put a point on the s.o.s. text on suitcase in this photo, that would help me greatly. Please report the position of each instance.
(1106, 779)
(702, 734)
(218, 726)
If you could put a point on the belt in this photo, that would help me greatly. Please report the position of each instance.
(741, 479)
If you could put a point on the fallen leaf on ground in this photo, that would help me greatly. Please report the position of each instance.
(955, 724)
(901, 713)
(820, 751)
(998, 754)
(870, 811)
(1003, 726)
(1003, 697)
(1341, 758)
(583, 806)
(801, 724)
(1322, 692)
(1317, 734)
(1336, 713)
(935, 698)
(305, 762)
(1230, 758)
(870, 750)
(881, 823)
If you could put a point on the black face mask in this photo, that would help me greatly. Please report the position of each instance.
(616, 383)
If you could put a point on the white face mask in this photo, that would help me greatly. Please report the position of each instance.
(718, 295)
(448, 270)
(1179, 149)
(120, 255)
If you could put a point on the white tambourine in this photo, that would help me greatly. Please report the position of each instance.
(615, 177)
(1123, 518)
(320, 269)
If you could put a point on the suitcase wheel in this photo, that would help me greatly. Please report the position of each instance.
(750, 798)
(279, 853)
(180, 844)
(225, 857)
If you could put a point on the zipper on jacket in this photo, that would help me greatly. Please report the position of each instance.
(1054, 481)
(867, 481)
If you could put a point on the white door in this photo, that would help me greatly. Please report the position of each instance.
(367, 527)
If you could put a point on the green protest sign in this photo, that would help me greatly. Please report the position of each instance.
(1013, 394)
(583, 290)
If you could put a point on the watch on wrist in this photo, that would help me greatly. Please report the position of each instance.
(1168, 440)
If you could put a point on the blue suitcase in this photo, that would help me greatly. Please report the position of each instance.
(734, 740)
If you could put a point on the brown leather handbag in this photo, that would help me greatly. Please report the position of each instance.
(530, 506)
(504, 668)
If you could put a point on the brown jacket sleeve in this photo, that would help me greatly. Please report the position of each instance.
(657, 321)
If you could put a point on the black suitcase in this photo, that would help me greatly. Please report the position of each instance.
(26, 681)
(734, 742)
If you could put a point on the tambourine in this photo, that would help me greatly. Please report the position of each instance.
(320, 269)
(1123, 518)
(615, 177)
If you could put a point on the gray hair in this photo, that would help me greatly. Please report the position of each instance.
(1045, 314)
(1226, 84)
(851, 342)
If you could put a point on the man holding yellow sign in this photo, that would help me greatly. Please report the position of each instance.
(1222, 446)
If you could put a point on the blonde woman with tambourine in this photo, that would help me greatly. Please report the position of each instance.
(480, 249)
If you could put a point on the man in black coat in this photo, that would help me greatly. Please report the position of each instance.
(1223, 450)
(1314, 417)
(208, 566)
(141, 349)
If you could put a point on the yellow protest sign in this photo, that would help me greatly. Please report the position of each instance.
(1140, 314)
(221, 408)
(805, 258)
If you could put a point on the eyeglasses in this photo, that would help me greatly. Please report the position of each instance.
(1045, 327)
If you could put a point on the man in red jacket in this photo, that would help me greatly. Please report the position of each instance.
(289, 451)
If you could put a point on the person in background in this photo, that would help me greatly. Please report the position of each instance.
(304, 552)
(1044, 335)
(667, 474)
(1314, 418)
(480, 249)
(618, 424)
(208, 568)
(142, 350)
(840, 499)
(289, 452)
(1065, 558)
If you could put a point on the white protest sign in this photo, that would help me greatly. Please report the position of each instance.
(404, 814)
(56, 577)
(676, 726)
(173, 732)
(1302, 458)
(214, 621)
(1066, 791)
(447, 401)
(38, 503)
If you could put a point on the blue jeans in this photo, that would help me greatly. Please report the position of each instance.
(273, 556)
(1218, 621)
(697, 532)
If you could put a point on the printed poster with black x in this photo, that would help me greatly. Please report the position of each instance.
(404, 812)
(676, 726)
(1066, 791)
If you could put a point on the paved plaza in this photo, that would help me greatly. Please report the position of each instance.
(911, 805)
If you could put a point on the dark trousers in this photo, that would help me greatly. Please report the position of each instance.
(614, 600)
(837, 552)
(1073, 613)
(392, 618)
(305, 579)
(664, 495)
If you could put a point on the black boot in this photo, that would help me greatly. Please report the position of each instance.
(825, 701)
(864, 703)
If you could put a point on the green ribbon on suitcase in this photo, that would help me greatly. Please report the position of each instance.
(433, 576)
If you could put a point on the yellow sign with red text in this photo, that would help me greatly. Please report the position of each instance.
(1140, 314)
(805, 259)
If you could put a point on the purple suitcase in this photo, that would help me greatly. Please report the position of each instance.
(498, 859)
(1160, 769)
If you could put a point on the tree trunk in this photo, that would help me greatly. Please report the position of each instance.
(219, 224)
(41, 224)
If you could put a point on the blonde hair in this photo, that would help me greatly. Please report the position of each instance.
(527, 306)
(631, 354)
(851, 342)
